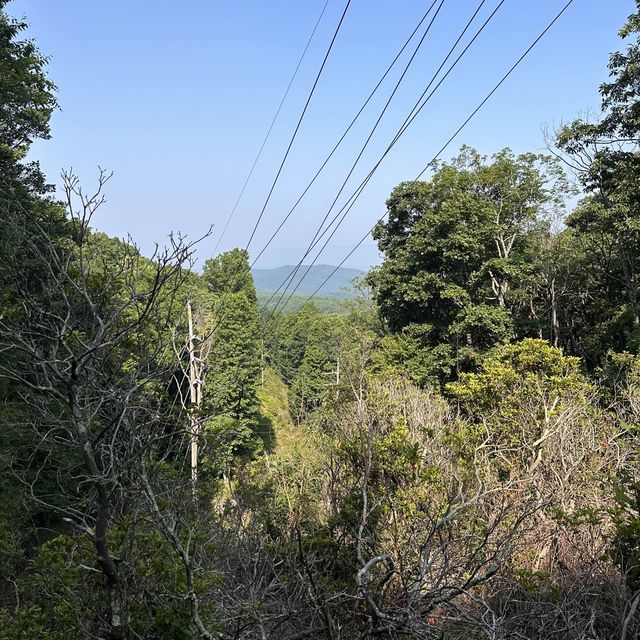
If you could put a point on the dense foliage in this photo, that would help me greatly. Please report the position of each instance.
(453, 453)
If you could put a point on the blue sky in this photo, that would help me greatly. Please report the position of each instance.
(175, 98)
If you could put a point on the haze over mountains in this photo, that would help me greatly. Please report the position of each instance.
(338, 285)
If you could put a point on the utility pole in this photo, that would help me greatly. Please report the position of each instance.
(335, 373)
(195, 396)
(262, 363)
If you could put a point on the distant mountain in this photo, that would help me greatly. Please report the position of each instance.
(268, 280)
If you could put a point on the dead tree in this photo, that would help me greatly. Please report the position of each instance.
(89, 351)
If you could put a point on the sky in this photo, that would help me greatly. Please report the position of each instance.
(176, 98)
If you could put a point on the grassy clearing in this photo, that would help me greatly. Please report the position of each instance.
(278, 428)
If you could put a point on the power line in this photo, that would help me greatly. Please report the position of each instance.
(412, 115)
(346, 131)
(266, 137)
(460, 128)
(295, 133)
(415, 111)
(286, 154)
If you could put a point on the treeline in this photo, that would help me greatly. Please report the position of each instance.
(453, 455)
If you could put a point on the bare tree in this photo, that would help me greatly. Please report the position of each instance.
(89, 351)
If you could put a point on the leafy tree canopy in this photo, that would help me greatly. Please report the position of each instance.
(460, 248)
(26, 103)
(606, 156)
(230, 272)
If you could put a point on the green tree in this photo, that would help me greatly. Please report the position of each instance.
(286, 337)
(97, 437)
(234, 361)
(230, 272)
(313, 379)
(529, 369)
(460, 248)
(606, 155)
(26, 105)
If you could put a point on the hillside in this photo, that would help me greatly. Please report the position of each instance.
(324, 304)
(268, 280)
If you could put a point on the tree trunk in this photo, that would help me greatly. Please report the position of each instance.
(554, 313)
(118, 618)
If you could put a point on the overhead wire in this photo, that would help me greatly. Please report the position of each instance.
(346, 131)
(270, 129)
(415, 111)
(299, 123)
(234, 275)
(448, 142)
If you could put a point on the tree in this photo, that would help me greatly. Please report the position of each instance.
(460, 248)
(230, 273)
(314, 380)
(233, 370)
(90, 362)
(606, 156)
(26, 105)
(286, 336)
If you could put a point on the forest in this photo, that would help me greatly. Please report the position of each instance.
(452, 453)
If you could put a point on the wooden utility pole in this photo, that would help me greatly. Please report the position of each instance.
(195, 396)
